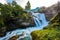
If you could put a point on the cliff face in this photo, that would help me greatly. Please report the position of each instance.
(51, 11)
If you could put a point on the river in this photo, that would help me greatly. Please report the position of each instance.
(40, 21)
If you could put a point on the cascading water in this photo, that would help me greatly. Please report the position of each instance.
(40, 21)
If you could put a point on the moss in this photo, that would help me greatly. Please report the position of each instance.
(45, 35)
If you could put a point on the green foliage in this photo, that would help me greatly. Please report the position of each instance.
(10, 16)
(45, 35)
(27, 7)
(12, 10)
(14, 3)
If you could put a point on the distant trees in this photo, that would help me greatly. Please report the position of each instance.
(28, 6)
(14, 3)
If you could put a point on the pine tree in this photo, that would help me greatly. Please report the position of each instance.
(27, 7)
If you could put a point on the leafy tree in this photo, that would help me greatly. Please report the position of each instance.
(6, 10)
(17, 10)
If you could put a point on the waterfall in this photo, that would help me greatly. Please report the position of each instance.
(40, 21)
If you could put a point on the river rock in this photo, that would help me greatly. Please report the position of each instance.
(13, 38)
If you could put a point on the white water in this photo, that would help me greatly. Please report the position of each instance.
(40, 21)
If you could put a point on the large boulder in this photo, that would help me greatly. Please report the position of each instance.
(45, 35)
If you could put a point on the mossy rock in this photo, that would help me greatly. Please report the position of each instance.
(45, 35)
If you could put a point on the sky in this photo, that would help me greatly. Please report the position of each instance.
(2, 1)
(9, 1)
(34, 3)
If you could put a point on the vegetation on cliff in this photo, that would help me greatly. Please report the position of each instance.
(13, 16)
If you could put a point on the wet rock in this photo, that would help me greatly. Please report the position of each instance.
(26, 38)
(13, 38)
(16, 38)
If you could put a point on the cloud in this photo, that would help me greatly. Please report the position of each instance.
(37, 3)
(3, 1)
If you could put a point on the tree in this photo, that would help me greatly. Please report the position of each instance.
(27, 7)
(0, 8)
(14, 3)
(17, 10)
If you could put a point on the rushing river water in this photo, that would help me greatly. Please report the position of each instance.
(40, 21)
